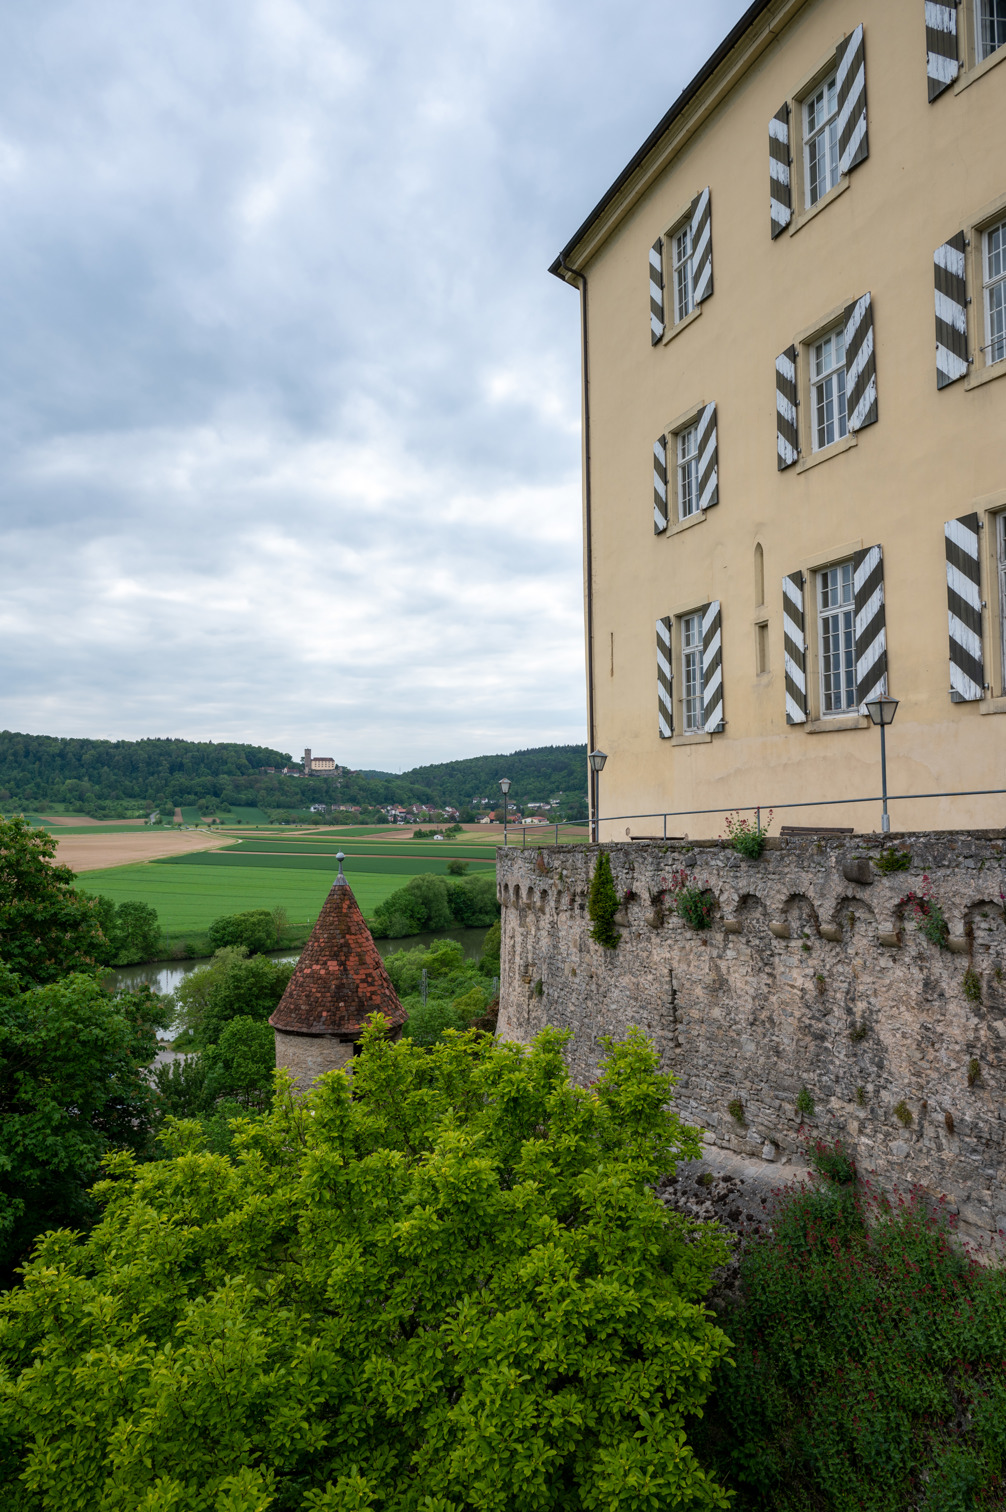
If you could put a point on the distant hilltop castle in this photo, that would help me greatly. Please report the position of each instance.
(317, 763)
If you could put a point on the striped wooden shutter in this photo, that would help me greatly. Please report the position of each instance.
(951, 311)
(860, 365)
(964, 610)
(787, 435)
(794, 648)
(781, 202)
(942, 66)
(709, 473)
(665, 680)
(850, 57)
(712, 670)
(659, 485)
(656, 291)
(871, 624)
(702, 247)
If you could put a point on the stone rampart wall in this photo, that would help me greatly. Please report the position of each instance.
(813, 976)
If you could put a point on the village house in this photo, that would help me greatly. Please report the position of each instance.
(793, 306)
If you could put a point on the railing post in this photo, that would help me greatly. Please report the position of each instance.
(758, 818)
(665, 826)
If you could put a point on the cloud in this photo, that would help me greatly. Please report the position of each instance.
(290, 407)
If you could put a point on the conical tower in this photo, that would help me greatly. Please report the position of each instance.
(338, 983)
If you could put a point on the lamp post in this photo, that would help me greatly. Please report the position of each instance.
(882, 711)
(505, 786)
(597, 760)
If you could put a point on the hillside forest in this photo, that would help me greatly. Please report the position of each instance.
(127, 778)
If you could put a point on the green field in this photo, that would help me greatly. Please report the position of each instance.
(310, 846)
(190, 897)
(402, 867)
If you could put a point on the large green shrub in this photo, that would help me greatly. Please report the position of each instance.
(444, 1283)
(868, 1372)
(255, 930)
(72, 1087)
(429, 902)
(233, 985)
(602, 903)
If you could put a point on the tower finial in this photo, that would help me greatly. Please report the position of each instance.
(340, 857)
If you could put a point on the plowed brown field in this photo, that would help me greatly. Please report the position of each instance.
(92, 852)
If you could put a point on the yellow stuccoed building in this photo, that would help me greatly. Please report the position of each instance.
(794, 320)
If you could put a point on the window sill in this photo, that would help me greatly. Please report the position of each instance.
(977, 376)
(699, 738)
(826, 453)
(972, 75)
(686, 524)
(992, 706)
(679, 325)
(799, 221)
(835, 722)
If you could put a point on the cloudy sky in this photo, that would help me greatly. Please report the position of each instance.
(289, 406)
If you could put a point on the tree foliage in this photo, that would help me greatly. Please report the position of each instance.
(72, 1087)
(131, 930)
(255, 930)
(233, 985)
(441, 1284)
(429, 902)
(46, 928)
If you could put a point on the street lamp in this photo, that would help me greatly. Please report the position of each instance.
(505, 786)
(597, 760)
(882, 711)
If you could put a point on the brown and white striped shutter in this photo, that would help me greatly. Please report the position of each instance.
(964, 610)
(871, 624)
(665, 680)
(709, 473)
(660, 485)
(850, 58)
(951, 311)
(860, 365)
(656, 291)
(781, 201)
(702, 247)
(942, 66)
(712, 669)
(787, 433)
(794, 648)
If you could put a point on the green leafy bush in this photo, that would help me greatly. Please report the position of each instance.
(72, 1087)
(747, 836)
(691, 900)
(603, 903)
(233, 985)
(869, 1364)
(735, 1107)
(444, 1282)
(892, 860)
(255, 930)
(429, 902)
(929, 916)
(456, 867)
(804, 1103)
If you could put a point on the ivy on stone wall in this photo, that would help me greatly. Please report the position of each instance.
(602, 904)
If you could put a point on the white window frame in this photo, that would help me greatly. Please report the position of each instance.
(827, 388)
(824, 130)
(994, 293)
(981, 52)
(1000, 547)
(682, 283)
(838, 577)
(686, 453)
(692, 682)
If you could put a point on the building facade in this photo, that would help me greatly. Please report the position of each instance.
(794, 320)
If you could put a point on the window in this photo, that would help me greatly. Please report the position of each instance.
(1001, 574)
(990, 27)
(761, 648)
(820, 140)
(827, 388)
(994, 281)
(837, 639)
(688, 471)
(691, 673)
(681, 243)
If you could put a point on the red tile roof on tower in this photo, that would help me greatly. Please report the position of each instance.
(340, 979)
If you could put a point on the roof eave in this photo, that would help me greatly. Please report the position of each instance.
(736, 35)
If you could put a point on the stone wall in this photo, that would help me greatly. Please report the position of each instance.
(307, 1056)
(813, 976)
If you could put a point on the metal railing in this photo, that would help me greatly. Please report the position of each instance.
(757, 809)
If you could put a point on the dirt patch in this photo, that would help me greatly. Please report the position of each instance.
(81, 819)
(93, 852)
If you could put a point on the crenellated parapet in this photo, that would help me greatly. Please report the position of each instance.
(813, 982)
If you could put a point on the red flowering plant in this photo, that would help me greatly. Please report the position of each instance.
(929, 916)
(690, 899)
(747, 836)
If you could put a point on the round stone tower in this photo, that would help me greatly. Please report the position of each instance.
(338, 983)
